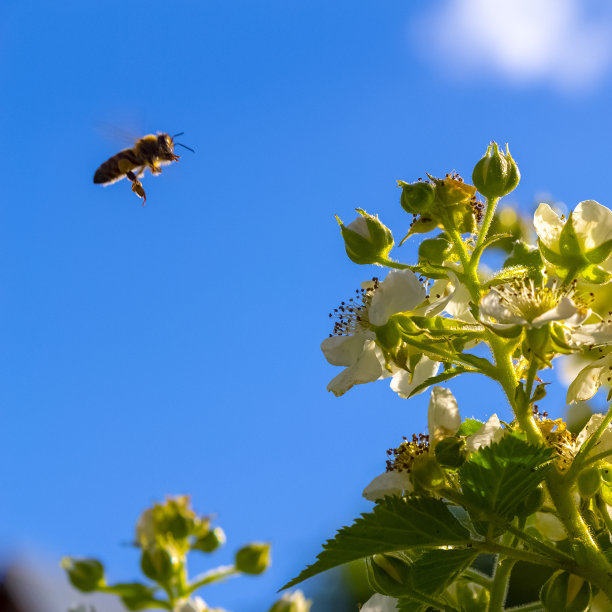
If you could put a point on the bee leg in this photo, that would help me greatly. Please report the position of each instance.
(155, 169)
(137, 187)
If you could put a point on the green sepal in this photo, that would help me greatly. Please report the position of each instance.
(549, 255)
(389, 335)
(595, 274)
(438, 378)
(530, 258)
(506, 275)
(450, 452)
(569, 246)
(442, 326)
(469, 427)
(599, 254)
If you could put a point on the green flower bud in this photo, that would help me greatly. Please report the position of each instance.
(366, 239)
(388, 573)
(496, 174)
(211, 541)
(533, 501)
(292, 602)
(85, 574)
(426, 473)
(253, 558)
(435, 250)
(451, 452)
(564, 592)
(417, 198)
(472, 597)
(589, 482)
(157, 564)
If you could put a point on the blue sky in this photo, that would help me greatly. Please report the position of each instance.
(175, 348)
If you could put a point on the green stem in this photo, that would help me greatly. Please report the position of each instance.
(597, 457)
(603, 510)
(501, 579)
(518, 554)
(472, 575)
(220, 573)
(389, 263)
(484, 230)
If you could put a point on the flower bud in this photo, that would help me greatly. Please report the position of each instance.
(388, 574)
(253, 558)
(417, 198)
(156, 564)
(451, 452)
(589, 482)
(366, 239)
(564, 592)
(85, 574)
(533, 502)
(292, 602)
(211, 541)
(496, 174)
(435, 250)
(472, 597)
(426, 473)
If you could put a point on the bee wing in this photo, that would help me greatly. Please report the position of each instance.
(117, 134)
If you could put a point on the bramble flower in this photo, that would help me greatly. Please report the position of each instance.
(404, 382)
(589, 379)
(352, 344)
(604, 443)
(582, 244)
(522, 304)
(443, 418)
(195, 604)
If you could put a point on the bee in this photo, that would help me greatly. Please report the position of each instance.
(151, 151)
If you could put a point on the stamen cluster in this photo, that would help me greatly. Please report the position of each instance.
(352, 316)
(406, 453)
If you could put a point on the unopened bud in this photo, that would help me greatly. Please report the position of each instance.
(253, 558)
(472, 597)
(366, 239)
(156, 564)
(565, 592)
(211, 541)
(435, 250)
(496, 174)
(589, 482)
(292, 602)
(426, 473)
(451, 452)
(417, 198)
(388, 574)
(85, 574)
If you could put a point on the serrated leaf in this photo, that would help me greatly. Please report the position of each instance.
(432, 573)
(499, 477)
(396, 523)
(434, 380)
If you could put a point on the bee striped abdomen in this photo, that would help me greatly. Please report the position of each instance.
(117, 166)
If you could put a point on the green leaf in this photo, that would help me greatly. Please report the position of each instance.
(496, 238)
(434, 380)
(431, 574)
(396, 523)
(498, 478)
(469, 427)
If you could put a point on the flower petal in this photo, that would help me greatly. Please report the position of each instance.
(605, 442)
(359, 226)
(564, 310)
(593, 224)
(400, 291)
(344, 350)
(367, 368)
(443, 419)
(491, 306)
(550, 526)
(388, 483)
(490, 432)
(380, 603)
(403, 383)
(587, 382)
(548, 226)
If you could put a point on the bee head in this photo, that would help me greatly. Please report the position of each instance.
(165, 143)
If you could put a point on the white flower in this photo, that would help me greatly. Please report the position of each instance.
(604, 443)
(489, 432)
(388, 483)
(352, 345)
(523, 304)
(404, 383)
(592, 224)
(443, 419)
(292, 602)
(589, 379)
(380, 603)
(550, 526)
(195, 604)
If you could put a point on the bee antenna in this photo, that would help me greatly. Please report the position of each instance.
(179, 134)
(180, 144)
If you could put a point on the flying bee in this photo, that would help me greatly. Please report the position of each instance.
(151, 151)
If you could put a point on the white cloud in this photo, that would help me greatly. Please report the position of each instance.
(563, 42)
